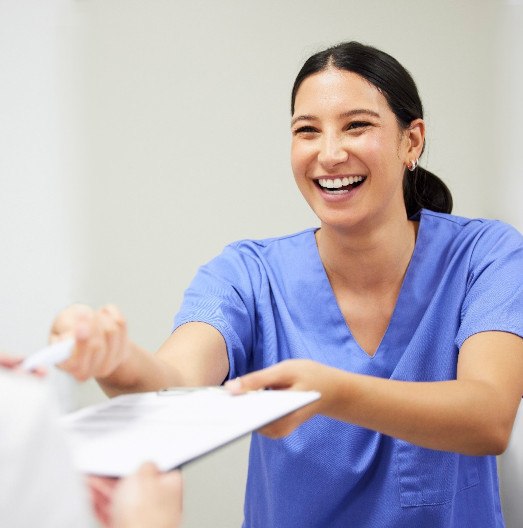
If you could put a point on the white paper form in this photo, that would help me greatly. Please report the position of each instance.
(169, 428)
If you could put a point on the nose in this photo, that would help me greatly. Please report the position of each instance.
(332, 152)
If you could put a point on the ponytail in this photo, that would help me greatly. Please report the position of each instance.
(424, 190)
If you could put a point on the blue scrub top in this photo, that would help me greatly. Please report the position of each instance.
(271, 300)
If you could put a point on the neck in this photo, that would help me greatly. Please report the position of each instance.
(370, 260)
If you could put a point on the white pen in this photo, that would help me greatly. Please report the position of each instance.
(49, 355)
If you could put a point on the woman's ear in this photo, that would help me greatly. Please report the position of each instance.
(416, 139)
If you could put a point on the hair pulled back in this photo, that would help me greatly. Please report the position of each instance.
(421, 188)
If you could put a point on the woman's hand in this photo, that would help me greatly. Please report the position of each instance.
(472, 414)
(293, 374)
(101, 340)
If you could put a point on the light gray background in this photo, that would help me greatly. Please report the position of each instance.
(137, 138)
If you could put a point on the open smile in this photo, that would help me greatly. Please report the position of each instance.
(340, 185)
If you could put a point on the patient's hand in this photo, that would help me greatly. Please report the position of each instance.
(13, 363)
(148, 498)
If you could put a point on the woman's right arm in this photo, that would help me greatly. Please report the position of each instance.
(195, 354)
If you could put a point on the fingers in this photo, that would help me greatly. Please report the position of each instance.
(114, 328)
(149, 473)
(105, 486)
(86, 330)
(148, 470)
(101, 340)
(101, 492)
(9, 362)
(173, 481)
(148, 498)
(14, 363)
(295, 374)
(65, 322)
(280, 376)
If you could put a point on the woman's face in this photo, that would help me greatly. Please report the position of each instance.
(348, 152)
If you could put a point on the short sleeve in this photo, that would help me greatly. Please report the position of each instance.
(222, 294)
(494, 297)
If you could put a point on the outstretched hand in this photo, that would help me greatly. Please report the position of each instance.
(293, 374)
(101, 340)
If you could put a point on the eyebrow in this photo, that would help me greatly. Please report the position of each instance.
(349, 113)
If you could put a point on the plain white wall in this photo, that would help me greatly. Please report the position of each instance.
(34, 190)
(158, 131)
(39, 178)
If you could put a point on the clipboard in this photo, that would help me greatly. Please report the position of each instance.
(171, 427)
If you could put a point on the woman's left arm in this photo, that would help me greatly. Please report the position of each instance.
(473, 414)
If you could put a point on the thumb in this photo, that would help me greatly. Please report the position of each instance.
(275, 377)
(148, 469)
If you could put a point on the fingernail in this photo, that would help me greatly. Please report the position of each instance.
(234, 385)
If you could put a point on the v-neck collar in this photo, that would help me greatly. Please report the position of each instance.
(400, 328)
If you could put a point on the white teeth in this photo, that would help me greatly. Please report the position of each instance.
(337, 183)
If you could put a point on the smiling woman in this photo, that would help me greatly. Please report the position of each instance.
(391, 308)
(344, 128)
(391, 87)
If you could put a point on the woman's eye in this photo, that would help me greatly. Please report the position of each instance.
(358, 125)
(306, 129)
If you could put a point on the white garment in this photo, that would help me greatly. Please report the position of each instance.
(38, 485)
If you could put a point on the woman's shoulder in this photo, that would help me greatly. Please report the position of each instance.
(249, 255)
(468, 226)
(481, 235)
(278, 245)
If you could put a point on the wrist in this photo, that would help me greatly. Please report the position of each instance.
(340, 394)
